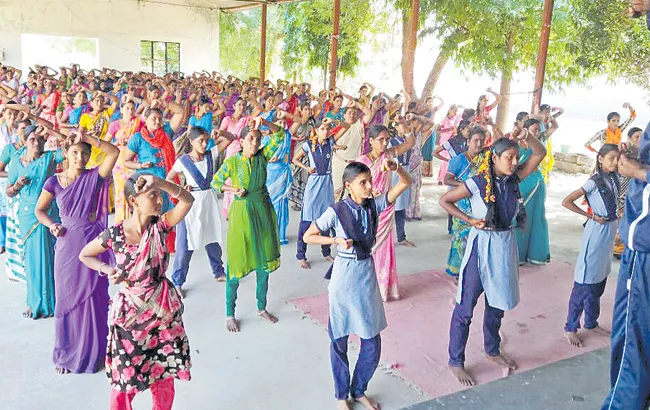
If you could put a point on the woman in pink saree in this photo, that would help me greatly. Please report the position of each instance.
(121, 131)
(383, 253)
(446, 129)
(235, 124)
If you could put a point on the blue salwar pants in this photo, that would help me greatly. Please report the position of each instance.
(461, 318)
(184, 256)
(326, 250)
(363, 371)
(584, 297)
(630, 368)
(3, 230)
(400, 222)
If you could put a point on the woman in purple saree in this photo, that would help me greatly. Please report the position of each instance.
(82, 300)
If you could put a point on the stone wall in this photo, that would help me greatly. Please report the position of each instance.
(574, 163)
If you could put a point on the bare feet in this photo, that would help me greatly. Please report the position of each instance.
(180, 291)
(504, 361)
(463, 377)
(368, 403)
(232, 325)
(573, 338)
(60, 370)
(406, 243)
(304, 264)
(600, 331)
(221, 278)
(266, 315)
(28, 314)
(343, 405)
(329, 258)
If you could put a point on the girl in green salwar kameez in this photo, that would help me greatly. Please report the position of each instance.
(252, 242)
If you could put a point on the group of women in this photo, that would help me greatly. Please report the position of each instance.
(158, 150)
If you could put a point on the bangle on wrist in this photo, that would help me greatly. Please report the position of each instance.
(178, 193)
(99, 271)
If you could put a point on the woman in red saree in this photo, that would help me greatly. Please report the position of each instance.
(48, 102)
(147, 344)
(154, 149)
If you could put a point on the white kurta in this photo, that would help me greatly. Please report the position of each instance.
(203, 221)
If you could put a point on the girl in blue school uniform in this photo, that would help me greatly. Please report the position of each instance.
(355, 304)
(490, 263)
(404, 200)
(319, 191)
(594, 262)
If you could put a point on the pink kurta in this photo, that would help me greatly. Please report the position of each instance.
(234, 127)
(383, 253)
(446, 122)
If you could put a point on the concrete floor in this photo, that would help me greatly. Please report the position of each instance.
(271, 367)
(546, 388)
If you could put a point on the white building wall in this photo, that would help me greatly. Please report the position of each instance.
(119, 26)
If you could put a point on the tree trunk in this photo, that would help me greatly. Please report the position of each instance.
(447, 48)
(502, 110)
(405, 44)
(506, 81)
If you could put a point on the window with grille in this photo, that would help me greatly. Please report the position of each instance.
(160, 57)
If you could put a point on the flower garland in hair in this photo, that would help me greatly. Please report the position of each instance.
(313, 138)
(484, 169)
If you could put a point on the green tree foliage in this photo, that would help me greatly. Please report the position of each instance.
(239, 41)
(307, 33)
(501, 37)
(599, 38)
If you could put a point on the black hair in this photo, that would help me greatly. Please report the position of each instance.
(351, 172)
(478, 103)
(196, 132)
(633, 130)
(29, 130)
(476, 130)
(347, 109)
(612, 115)
(602, 176)
(86, 146)
(246, 130)
(412, 106)
(544, 107)
(520, 116)
(204, 99)
(604, 150)
(468, 113)
(492, 219)
(461, 125)
(149, 111)
(377, 129)
(27, 123)
(530, 122)
(129, 187)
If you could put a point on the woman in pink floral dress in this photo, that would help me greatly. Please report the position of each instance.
(147, 344)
